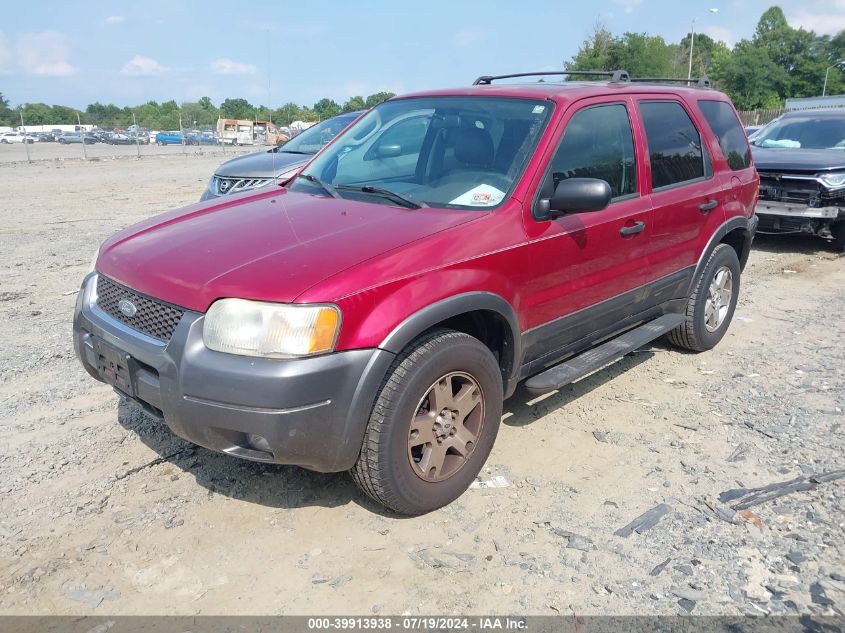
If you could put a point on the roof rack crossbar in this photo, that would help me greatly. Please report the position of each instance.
(615, 75)
(701, 82)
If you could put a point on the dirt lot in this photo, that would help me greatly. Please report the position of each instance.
(103, 510)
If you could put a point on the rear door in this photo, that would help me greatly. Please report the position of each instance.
(588, 266)
(687, 199)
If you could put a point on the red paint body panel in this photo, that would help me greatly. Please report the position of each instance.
(382, 263)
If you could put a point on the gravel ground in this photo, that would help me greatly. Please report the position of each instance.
(102, 510)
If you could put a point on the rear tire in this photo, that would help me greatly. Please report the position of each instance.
(433, 424)
(712, 303)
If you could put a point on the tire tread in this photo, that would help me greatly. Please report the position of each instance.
(368, 473)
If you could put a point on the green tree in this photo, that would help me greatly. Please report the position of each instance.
(326, 108)
(287, 114)
(594, 53)
(237, 109)
(642, 55)
(6, 113)
(377, 98)
(750, 77)
(354, 103)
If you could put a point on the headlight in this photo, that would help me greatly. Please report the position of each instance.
(834, 181)
(270, 330)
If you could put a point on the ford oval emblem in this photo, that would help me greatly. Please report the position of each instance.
(127, 308)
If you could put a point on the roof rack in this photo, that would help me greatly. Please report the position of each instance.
(615, 75)
(619, 76)
(700, 82)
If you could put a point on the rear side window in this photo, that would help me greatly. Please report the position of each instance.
(597, 143)
(722, 120)
(674, 145)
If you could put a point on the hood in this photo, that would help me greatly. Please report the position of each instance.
(269, 246)
(261, 164)
(796, 159)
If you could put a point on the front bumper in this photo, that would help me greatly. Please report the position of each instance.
(794, 210)
(311, 412)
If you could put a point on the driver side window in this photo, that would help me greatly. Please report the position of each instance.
(597, 143)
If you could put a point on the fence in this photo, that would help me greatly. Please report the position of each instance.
(760, 116)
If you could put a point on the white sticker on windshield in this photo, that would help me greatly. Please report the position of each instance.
(538, 109)
(480, 196)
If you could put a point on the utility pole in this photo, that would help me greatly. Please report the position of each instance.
(25, 140)
(182, 133)
(692, 42)
(137, 143)
(82, 132)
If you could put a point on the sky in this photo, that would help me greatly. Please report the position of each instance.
(273, 52)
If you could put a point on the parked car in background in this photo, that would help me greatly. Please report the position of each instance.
(751, 130)
(142, 138)
(118, 138)
(169, 138)
(262, 168)
(201, 138)
(44, 137)
(66, 138)
(373, 314)
(16, 137)
(801, 161)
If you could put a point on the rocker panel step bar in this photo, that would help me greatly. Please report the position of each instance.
(597, 357)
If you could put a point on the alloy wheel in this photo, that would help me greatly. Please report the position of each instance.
(446, 426)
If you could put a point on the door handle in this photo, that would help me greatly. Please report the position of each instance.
(635, 228)
(708, 206)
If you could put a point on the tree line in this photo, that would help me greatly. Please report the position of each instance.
(777, 63)
(167, 115)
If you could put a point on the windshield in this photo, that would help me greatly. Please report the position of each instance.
(809, 132)
(454, 152)
(315, 137)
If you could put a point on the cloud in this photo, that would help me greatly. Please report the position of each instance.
(44, 54)
(720, 34)
(225, 66)
(628, 5)
(826, 17)
(115, 19)
(467, 37)
(143, 66)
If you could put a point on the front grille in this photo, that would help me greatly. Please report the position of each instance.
(152, 317)
(797, 189)
(223, 186)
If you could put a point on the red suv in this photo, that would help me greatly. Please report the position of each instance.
(373, 312)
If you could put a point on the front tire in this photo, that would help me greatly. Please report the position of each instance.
(433, 424)
(712, 304)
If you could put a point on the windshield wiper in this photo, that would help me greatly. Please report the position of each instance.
(329, 189)
(279, 150)
(399, 198)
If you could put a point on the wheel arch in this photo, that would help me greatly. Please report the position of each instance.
(485, 315)
(738, 233)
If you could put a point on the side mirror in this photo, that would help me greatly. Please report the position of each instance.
(575, 195)
(388, 151)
